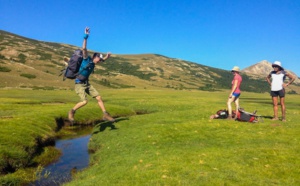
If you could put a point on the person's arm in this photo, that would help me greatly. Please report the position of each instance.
(234, 86)
(214, 116)
(292, 79)
(268, 78)
(106, 56)
(84, 44)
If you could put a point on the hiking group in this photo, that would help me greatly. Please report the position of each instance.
(276, 80)
(81, 65)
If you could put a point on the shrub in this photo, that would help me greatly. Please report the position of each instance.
(125, 68)
(29, 76)
(292, 92)
(22, 58)
(207, 87)
(4, 69)
(42, 88)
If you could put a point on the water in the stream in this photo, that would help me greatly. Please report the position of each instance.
(74, 157)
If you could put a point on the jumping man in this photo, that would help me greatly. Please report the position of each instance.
(82, 85)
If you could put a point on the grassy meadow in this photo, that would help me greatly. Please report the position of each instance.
(161, 137)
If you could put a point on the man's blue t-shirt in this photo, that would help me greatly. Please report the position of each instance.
(85, 70)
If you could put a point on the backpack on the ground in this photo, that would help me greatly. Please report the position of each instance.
(222, 114)
(242, 115)
(71, 71)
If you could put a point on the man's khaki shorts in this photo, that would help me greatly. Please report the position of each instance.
(82, 90)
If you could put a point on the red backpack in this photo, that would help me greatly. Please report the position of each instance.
(242, 115)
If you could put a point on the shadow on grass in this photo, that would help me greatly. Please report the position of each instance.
(102, 126)
(266, 117)
(264, 101)
(62, 122)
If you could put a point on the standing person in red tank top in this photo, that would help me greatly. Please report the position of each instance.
(235, 91)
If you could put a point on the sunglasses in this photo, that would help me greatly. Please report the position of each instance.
(275, 66)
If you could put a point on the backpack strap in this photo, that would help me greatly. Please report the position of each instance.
(63, 71)
(84, 68)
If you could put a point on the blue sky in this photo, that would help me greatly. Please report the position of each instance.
(216, 33)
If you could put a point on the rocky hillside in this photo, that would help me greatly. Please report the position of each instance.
(28, 63)
(262, 69)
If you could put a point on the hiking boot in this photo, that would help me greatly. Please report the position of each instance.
(71, 115)
(107, 117)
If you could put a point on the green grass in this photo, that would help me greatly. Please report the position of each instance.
(178, 145)
(172, 143)
(28, 120)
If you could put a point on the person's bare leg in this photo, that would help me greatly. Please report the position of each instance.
(76, 107)
(100, 103)
(237, 106)
(282, 108)
(230, 100)
(106, 115)
(275, 108)
(79, 105)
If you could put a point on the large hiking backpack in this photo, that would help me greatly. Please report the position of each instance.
(242, 115)
(71, 71)
(223, 114)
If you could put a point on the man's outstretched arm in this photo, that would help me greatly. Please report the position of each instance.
(84, 44)
(107, 56)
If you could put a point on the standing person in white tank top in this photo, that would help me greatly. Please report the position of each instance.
(276, 80)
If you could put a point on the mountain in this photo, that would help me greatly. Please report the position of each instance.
(263, 68)
(32, 64)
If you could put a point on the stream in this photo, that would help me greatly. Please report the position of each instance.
(75, 157)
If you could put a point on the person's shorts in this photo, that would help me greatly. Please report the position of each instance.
(82, 90)
(280, 93)
(236, 95)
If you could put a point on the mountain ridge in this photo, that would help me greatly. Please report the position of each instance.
(263, 68)
(28, 63)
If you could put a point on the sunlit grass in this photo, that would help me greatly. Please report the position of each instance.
(28, 121)
(172, 143)
(177, 144)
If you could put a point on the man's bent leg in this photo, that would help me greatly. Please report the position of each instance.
(106, 115)
(76, 107)
(80, 91)
(100, 103)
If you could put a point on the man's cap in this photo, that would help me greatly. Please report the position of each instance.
(96, 54)
(99, 55)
